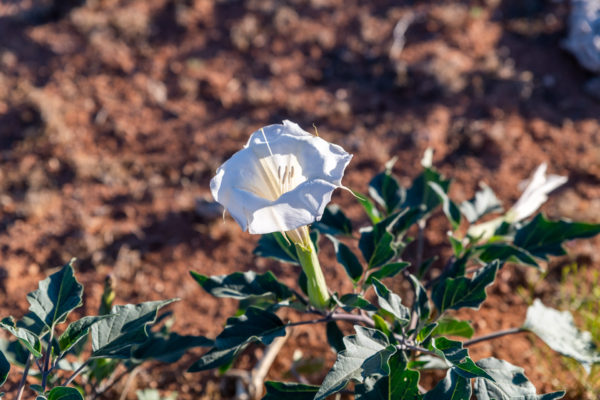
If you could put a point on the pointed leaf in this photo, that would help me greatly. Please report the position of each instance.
(505, 252)
(452, 387)
(462, 291)
(218, 357)
(255, 324)
(509, 383)
(369, 207)
(557, 329)
(458, 356)
(334, 222)
(4, 368)
(167, 348)
(127, 326)
(421, 194)
(385, 190)
(401, 383)
(421, 301)
(25, 337)
(76, 331)
(348, 259)
(450, 209)
(275, 245)
(391, 302)
(56, 296)
(289, 391)
(335, 337)
(387, 271)
(366, 354)
(64, 393)
(543, 238)
(352, 301)
(453, 327)
(241, 285)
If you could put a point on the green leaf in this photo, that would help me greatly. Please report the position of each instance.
(452, 387)
(64, 393)
(334, 222)
(458, 356)
(348, 259)
(167, 347)
(25, 337)
(255, 324)
(4, 368)
(450, 209)
(557, 329)
(453, 327)
(218, 357)
(387, 271)
(289, 391)
(421, 301)
(457, 245)
(505, 252)
(16, 353)
(56, 296)
(541, 237)
(376, 246)
(425, 332)
(352, 301)
(241, 285)
(484, 202)
(421, 194)
(335, 337)
(366, 355)
(275, 245)
(509, 383)
(76, 331)
(127, 326)
(385, 190)
(461, 292)
(401, 383)
(391, 302)
(369, 207)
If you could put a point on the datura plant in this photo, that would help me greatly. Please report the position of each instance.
(279, 185)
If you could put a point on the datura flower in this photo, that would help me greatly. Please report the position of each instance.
(535, 194)
(281, 181)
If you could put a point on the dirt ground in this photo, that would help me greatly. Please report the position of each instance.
(114, 115)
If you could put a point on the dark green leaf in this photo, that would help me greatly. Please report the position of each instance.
(25, 337)
(4, 368)
(458, 356)
(484, 202)
(452, 387)
(167, 347)
(348, 259)
(127, 326)
(509, 383)
(289, 391)
(505, 252)
(76, 331)
(14, 351)
(401, 383)
(255, 324)
(241, 285)
(421, 301)
(450, 209)
(543, 238)
(385, 190)
(275, 245)
(370, 208)
(216, 358)
(351, 301)
(377, 247)
(462, 291)
(335, 337)
(56, 296)
(453, 327)
(557, 329)
(366, 355)
(391, 302)
(422, 196)
(334, 222)
(64, 393)
(387, 271)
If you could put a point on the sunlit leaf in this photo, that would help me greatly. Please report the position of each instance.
(391, 302)
(453, 327)
(454, 352)
(241, 285)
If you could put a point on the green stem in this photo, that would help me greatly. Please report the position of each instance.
(318, 295)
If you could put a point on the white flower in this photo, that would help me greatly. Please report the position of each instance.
(535, 194)
(281, 180)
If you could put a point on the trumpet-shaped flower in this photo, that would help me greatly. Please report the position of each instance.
(281, 180)
(535, 194)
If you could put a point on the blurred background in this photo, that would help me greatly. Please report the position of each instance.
(114, 115)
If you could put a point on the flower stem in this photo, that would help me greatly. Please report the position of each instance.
(318, 295)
